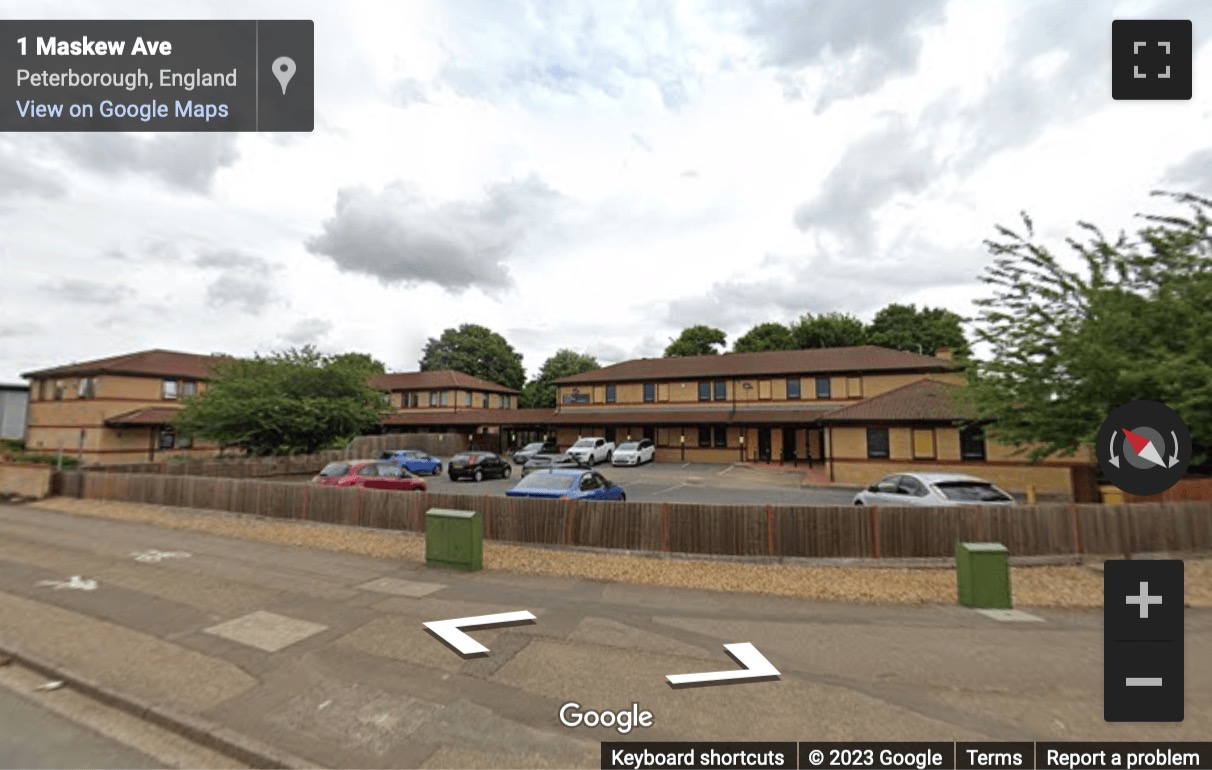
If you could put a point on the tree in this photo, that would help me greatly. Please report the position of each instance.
(904, 327)
(828, 330)
(1069, 346)
(697, 340)
(765, 336)
(292, 401)
(365, 361)
(540, 393)
(478, 351)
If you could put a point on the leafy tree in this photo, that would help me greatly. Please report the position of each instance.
(765, 336)
(697, 340)
(1068, 346)
(292, 401)
(904, 327)
(828, 330)
(478, 351)
(367, 362)
(541, 391)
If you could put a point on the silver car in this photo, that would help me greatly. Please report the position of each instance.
(634, 453)
(932, 489)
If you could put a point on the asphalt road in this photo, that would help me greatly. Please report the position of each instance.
(32, 736)
(325, 655)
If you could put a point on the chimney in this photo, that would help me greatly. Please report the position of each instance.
(943, 353)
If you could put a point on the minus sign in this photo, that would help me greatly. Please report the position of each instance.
(1144, 681)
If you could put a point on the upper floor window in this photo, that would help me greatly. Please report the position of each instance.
(877, 442)
(704, 391)
(59, 389)
(168, 389)
(719, 390)
(972, 442)
(467, 401)
(484, 401)
(649, 392)
(189, 388)
(41, 390)
(433, 397)
(793, 387)
(823, 387)
(410, 399)
(86, 388)
(503, 401)
(610, 394)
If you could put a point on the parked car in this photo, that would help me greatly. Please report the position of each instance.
(592, 450)
(634, 453)
(372, 474)
(568, 484)
(932, 489)
(413, 461)
(545, 462)
(530, 450)
(478, 466)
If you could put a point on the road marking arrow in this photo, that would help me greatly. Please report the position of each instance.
(448, 631)
(755, 669)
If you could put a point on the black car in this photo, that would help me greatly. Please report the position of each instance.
(534, 448)
(542, 462)
(478, 466)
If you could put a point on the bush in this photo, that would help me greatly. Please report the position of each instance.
(30, 457)
(11, 446)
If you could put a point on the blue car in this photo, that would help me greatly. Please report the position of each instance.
(413, 461)
(567, 484)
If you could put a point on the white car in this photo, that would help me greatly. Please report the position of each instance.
(591, 450)
(932, 489)
(634, 453)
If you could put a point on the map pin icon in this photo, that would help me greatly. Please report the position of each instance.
(284, 70)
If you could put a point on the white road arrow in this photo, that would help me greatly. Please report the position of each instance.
(448, 631)
(755, 669)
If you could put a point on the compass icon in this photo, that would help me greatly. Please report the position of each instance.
(1144, 447)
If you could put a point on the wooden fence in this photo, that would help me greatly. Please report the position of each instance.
(728, 530)
(362, 447)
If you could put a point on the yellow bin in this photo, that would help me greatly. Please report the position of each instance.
(1112, 495)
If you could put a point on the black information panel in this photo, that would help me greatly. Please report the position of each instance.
(1143, 640)
(925, 755)
(157, 75)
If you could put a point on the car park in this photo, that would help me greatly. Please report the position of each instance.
(534, 448)
(478, 466)
(370, 474)
(413, 461)
(592, 450)
(634, 453)
(543, 462)
(934, 490)
(568, 484)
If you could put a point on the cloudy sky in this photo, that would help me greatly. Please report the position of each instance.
(591, 175)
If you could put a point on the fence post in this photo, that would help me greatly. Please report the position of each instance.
(357, 512)
(572, 512)
(664, 526)
(1077, 528)
(306, 495)
(980, 524)
(875, 532)
(769, 530)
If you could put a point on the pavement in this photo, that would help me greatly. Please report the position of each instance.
(322, 658)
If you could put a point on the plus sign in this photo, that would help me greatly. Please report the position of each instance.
(1144, 600)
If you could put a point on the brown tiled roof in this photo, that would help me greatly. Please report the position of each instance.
(151, 363)
(154, 415)
(471, 417)
(658, 416)
(866, 358)
(921, 401)
(443, 378)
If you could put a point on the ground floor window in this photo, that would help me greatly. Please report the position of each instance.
(704, 435)
(720, 436)
(610, 434)
(972, 442)
(877, 442)
(168, 438)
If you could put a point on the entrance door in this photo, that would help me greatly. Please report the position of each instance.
(816, 444)
(650, 433)
(789, 437)
(764, 444)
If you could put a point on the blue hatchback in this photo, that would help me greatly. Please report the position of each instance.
(567, 484)
(413, 461)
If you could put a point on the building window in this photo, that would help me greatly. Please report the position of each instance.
(167, 438)
(484, 401)
(610, 394)
(720, 435)
(972, 442)
(433, 397)
(704, 435)
(649, 392)
(85, 388)
(720, 390)
(877, 442)
(704, 391)
(610, 434)
(168, 389)
(59, 388)
(467, 398)
(189, 388)
(41, 390)
(414, 400)
(793, 387)
(185, 442)
(822, 387)
(503, 402)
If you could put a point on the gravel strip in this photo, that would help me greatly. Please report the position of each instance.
(1043, 586)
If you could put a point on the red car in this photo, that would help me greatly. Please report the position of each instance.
(372, 474)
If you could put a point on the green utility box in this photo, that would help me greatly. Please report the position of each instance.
(983, 573)
(454, 538)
